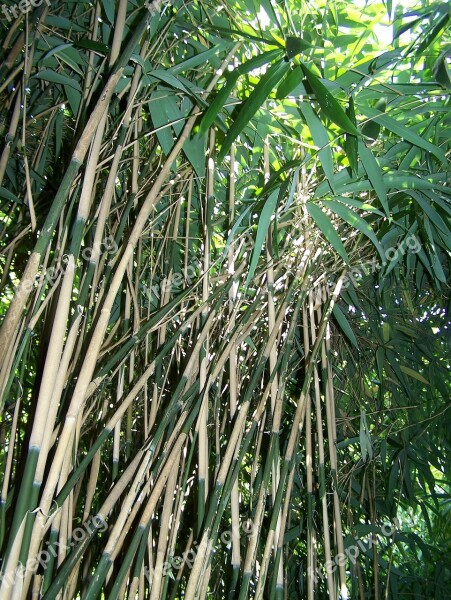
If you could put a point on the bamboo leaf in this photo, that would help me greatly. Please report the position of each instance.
(321, 139)
(344, 325)
(291, 81)
(366, 448)
(326, 226)
(295, 46)
(411, 373)
(329, 106)
(220, 99)
(354, 219)
(53, 77)
(108, 6)
(63, 23)
(253, 104)
(441, 71)
(374, 173)
(351, 141)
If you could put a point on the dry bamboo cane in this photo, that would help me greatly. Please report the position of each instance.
(88, 188)
(10, 135)
(49, 377)
(56, 343)
(276, 432)
(112, 547)
(255, 529)
(309, 467)
(202, 422)
(113, 497)
(332, 435)
(158, 573)
(51, 416)
(40, 523)
(302, 404)
(250, 557)
(9, 457)
(97, 337)
(321, 454)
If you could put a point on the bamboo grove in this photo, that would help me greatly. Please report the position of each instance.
(225, 250)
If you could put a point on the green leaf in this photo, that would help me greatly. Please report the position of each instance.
(253, 103)
(431, 212)
(73, 97)
(326, 226)
(264, 222)
(365, 439)
(344, 325)
(371, 130)
(108, 6)
(4, 193)
(330, 107)
(63, 23)
(165, 114)
(321, 139)
(414, 374)
(358, 204)
(295, 46)
(218, 103)
(435, 261)
(351, 145)
(291, 81)
(92, 45)
(52, 76)
(175, 82)
(197, 59)
(68, 54)
(381, 104)
(430, 37)
(221, 98)
(354, 219)
(374, 173)
(441, 71)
